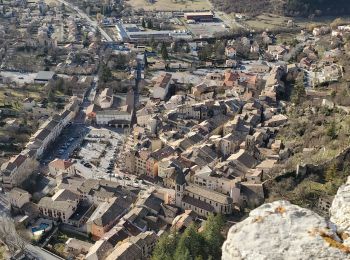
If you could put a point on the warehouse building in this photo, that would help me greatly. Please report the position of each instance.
(133, 33)
(199, 16)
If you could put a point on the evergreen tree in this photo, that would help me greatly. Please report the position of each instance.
(192, 245)
(190, 242)
(165, 247)
(182, 253)
(105, 73)
(298, 93)
(164, 52)
(153, 43)
(51, 95)
(213, 236)
(149, 24)
(332, 130)
(331, 172)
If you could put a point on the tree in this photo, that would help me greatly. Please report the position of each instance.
(332, 130)
(213, 236)
(9, 235)
(298, 93)
(153, 43)
(121, 61)
(51, 95)
(165, 247)
(105, 73)
(191, 244)
(85, 43)
(164, 52)
(331, 172)
(205, 53)
(58, 84)
(149, 24)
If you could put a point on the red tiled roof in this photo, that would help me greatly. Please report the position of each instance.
(60, 164)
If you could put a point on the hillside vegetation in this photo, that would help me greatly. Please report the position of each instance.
(285, 7)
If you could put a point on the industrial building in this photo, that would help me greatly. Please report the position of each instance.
(134, 33)
(199, 16)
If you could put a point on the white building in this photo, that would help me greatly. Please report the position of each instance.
(106, 98)
(116, 118)
(18, 168)
(18, 197)
(60, 206)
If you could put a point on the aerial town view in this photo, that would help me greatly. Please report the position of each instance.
(175, 129)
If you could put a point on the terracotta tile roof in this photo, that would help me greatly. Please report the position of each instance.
(60, 164)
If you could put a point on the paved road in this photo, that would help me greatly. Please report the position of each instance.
(18, 77)
(229, 21)
(87, 18)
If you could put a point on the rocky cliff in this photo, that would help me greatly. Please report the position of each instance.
(280, 230)
(340, 212)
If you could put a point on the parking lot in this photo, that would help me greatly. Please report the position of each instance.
(71, 137)
(97, 152)
(207, 29)
(100, 148)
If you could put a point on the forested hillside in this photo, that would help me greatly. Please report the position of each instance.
(285, 7)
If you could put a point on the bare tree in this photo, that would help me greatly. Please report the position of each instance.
(9, 235)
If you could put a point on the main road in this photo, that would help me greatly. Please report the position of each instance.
(88, 19)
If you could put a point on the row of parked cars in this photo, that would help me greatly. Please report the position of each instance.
(65, 146)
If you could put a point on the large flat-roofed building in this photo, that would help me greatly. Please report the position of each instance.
(134, 33)
(199, 16)
(161, 87)
(44, 76)
(118, 118)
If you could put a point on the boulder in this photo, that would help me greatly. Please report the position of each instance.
(340, 211)
(281, 230)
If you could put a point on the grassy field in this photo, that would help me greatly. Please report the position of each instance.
(18, 95)
(170, 5)
(267, 21)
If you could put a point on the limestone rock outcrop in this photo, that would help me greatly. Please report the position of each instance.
(281, 230)
(340, 212)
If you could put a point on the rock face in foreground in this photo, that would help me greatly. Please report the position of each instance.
(280, 230)
(340, 212)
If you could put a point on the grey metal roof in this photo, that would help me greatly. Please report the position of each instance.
(45, 75)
